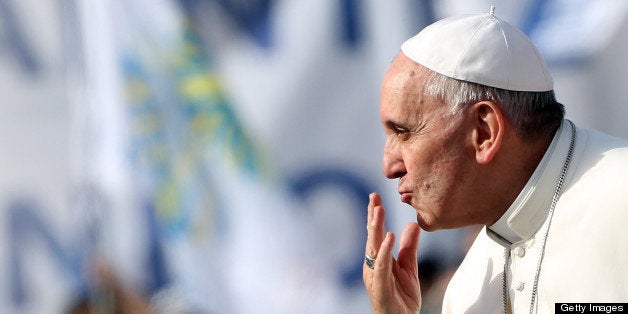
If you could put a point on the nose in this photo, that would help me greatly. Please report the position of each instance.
(392, 162)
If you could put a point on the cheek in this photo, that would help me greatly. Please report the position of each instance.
(424, 173)
(418, 165)
(436, 176)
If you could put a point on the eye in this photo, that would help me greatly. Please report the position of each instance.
(402, 133)
(399, 129)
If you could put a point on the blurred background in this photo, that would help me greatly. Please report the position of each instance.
(188, 156)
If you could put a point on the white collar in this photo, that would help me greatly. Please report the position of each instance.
(528, 212)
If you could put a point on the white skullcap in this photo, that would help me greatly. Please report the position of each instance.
(482, 49)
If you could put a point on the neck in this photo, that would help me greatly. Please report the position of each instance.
(513, 171)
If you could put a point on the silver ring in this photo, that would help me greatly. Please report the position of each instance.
(370, 262)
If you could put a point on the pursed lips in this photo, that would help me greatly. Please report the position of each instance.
(406, 194)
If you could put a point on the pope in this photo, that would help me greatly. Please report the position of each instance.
(475, 136)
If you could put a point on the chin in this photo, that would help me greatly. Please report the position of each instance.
(426, 225)
(428, 228)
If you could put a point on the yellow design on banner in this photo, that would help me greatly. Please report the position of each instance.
(179, 118)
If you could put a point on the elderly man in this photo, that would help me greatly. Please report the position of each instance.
(475, 136)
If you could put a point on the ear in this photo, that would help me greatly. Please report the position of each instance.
(488, 130)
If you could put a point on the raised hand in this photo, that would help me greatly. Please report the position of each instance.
(392, 284)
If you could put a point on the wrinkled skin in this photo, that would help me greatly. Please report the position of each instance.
(425, 150)
(392, 284)
(456, 168)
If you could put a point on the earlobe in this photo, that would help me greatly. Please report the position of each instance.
(488, 131)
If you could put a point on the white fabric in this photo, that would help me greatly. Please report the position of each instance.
(586, 253)
(483, 49)
(528, 212)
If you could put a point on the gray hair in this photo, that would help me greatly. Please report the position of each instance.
(535, 115)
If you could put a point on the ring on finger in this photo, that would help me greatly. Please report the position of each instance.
(370, 261)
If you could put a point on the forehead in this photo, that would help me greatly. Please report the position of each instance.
(403, 88)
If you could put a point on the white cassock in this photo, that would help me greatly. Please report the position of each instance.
(586, 253)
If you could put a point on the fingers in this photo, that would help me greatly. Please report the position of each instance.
(375, 225)
(408, 247)
(393, 284)
(383, 265)
(382, 272)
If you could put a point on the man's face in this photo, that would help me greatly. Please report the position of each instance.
(426, 148)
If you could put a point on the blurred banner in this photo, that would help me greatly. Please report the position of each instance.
(217, 156)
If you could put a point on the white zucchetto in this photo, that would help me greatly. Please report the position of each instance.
(482, 49)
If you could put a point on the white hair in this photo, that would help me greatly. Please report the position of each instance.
(534, 114)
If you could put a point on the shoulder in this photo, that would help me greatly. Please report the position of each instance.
(595, 196)
(600, 163)
(602, 145)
